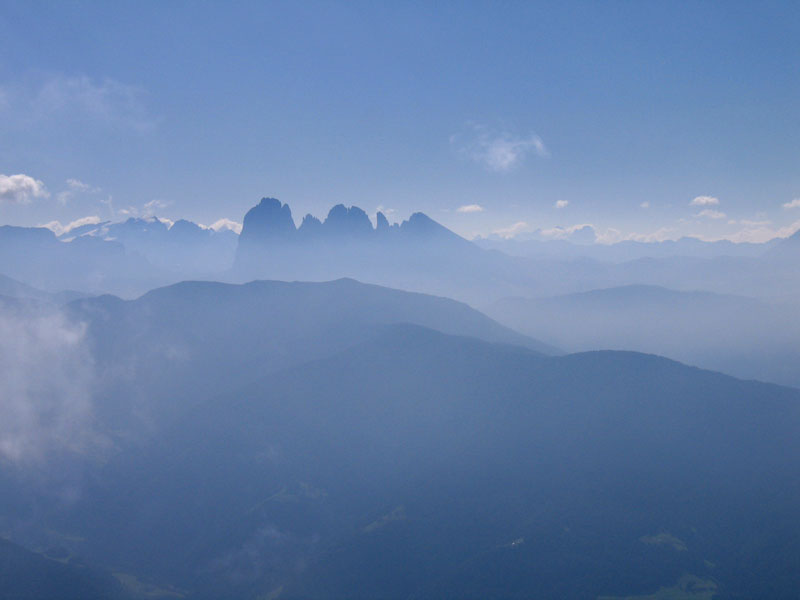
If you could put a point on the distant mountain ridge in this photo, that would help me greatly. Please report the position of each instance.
(270, 221)
(129, 257)
(741, 336)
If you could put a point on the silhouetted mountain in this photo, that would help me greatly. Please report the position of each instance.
(423, 465)
(740, 336)
(418, 254)
(267, 222)
(181, 343)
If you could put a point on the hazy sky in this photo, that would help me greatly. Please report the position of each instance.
(531, 115)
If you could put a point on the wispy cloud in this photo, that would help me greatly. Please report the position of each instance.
(75, 187)
(60, 99)
(470, 208)
(153, 206)
(645, 204)
(561, 203)
(498, 151)
(710, 213)
(704, 201)
(793, 204)
(512, 230)
(21, 189)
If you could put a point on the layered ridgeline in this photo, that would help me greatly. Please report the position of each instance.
(167, 351)
(421, 465)
(130, 257)
(740, 336)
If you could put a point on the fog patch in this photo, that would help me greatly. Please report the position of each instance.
(46, 379)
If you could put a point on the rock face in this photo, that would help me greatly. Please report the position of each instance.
(383, 222)
(270, 224)
(268, 221)
(343, 221)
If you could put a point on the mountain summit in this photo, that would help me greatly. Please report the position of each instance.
(270, 222)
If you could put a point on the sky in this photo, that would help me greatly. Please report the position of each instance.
(648, 120)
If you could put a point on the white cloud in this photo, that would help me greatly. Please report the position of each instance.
(497, 151)
(470, 208)
(513, 230)
(645, 204)
(793, 204)
(704, 201)
(561, 203)
(20, 189)
(59, 229)
(710, 213)
(226, 224)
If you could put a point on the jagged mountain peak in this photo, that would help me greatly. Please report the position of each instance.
(344, 220)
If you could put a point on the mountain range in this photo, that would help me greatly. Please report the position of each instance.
(133, 256)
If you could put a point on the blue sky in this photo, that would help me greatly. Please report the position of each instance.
(537, 116)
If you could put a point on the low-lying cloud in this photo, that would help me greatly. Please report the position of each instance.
(59, 229)
(46, 380)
